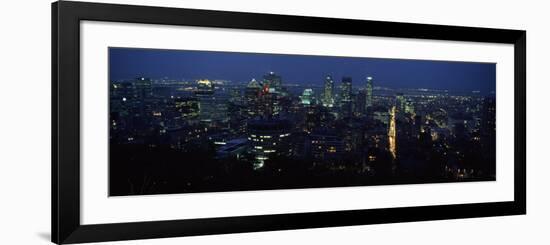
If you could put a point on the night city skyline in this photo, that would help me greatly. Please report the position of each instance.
(129, 63)
(198, 121)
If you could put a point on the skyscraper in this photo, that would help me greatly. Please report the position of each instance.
(346, 89)
(273, 80)
(369, 93)
(207, 101)
(328, 93)
(204, 95)
(360, 102)
(268, 102)
(271, 95)
(346, 105)
(409, 106)
(400, 102)
(308, 97)
(252, 94)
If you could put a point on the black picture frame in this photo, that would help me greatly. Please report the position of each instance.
(66, 17)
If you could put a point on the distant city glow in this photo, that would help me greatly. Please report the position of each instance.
(205, 121)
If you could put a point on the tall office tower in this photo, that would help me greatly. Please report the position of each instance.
(369, 93)
(346, 89)
(409, 106)
(360, 103)
(252, 95)
(271, 95)
(400, 102)
(308, 97)
(346, 105)
(328, 93)
(265, 102)
(268, 102)
(207, 101)
(273, 81)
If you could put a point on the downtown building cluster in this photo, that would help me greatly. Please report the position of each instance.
(371, 135)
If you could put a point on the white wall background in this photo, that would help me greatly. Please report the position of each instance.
(25, 121)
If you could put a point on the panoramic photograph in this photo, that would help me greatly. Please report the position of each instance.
(183, 121)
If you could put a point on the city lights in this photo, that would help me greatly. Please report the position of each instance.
(297, 127)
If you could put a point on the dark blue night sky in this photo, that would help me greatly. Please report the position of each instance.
(126, 63)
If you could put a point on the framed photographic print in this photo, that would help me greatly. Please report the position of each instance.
(176, 122)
